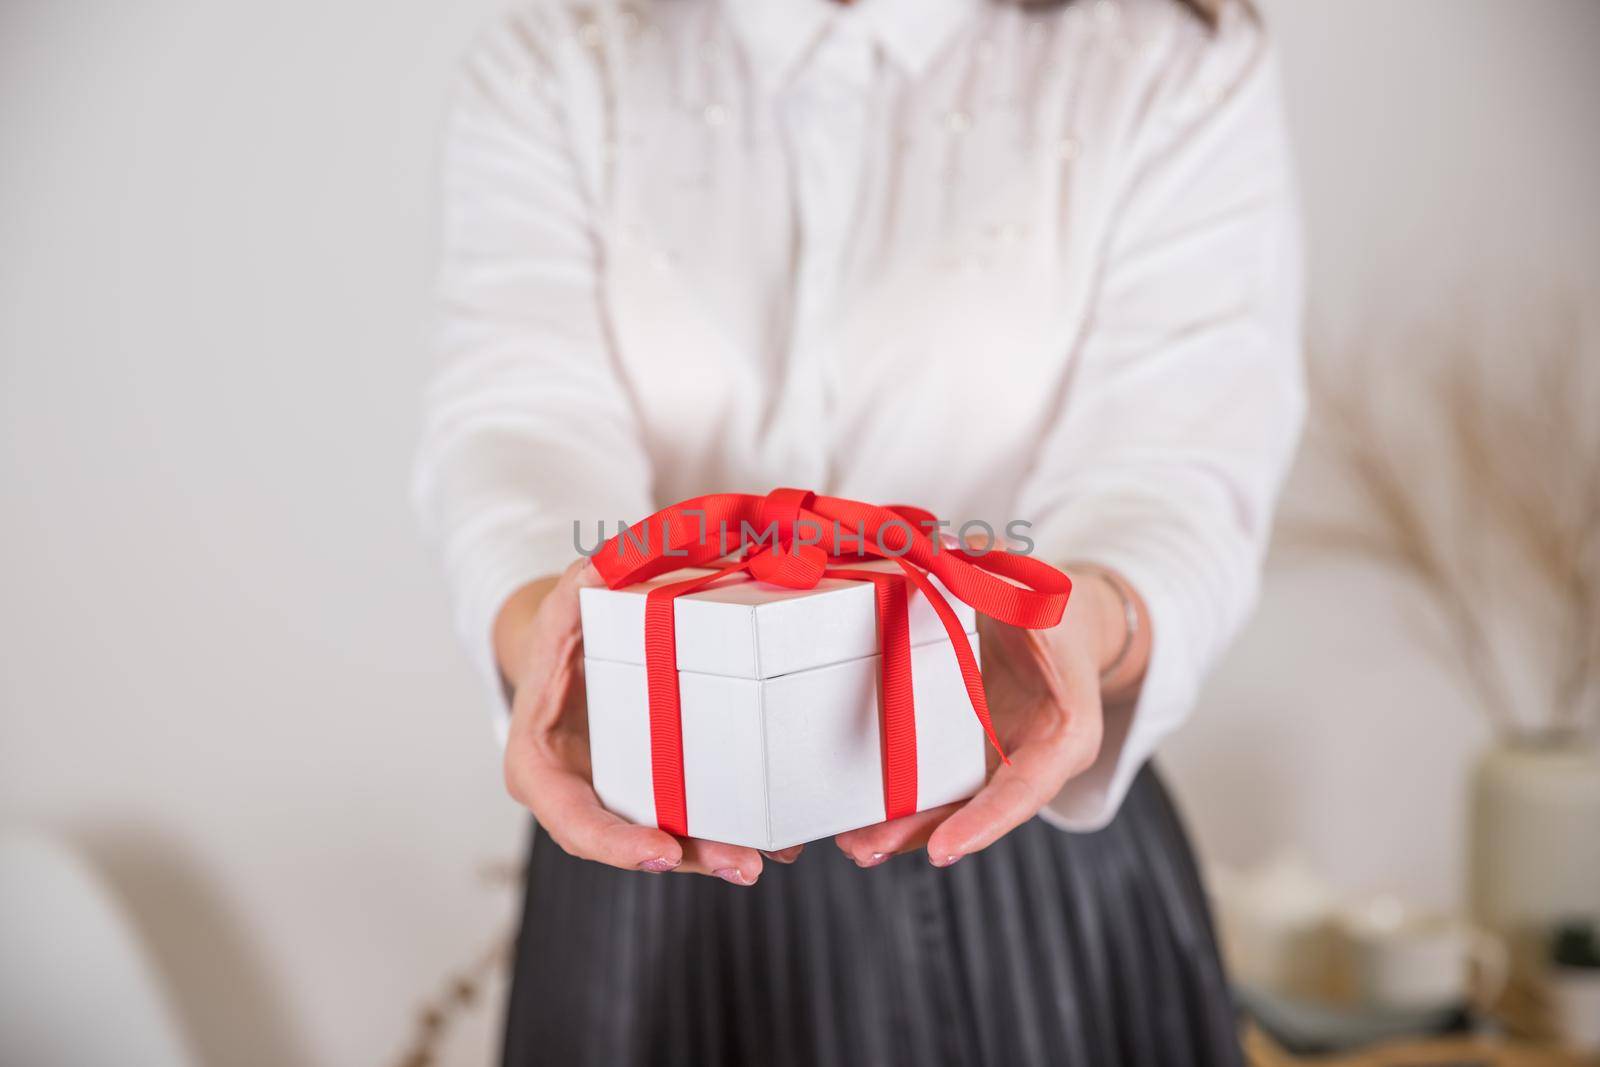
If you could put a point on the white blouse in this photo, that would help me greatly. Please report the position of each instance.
(999, 260)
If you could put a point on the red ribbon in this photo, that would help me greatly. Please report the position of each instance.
(813, 532)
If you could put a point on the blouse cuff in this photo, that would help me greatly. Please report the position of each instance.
(1133, 731)
(493, 566)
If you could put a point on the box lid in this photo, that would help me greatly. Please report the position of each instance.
(750, 629)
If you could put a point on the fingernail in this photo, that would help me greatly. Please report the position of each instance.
(781, 857)
(873, 860)
(944, 861)
(659, 865)
(731, 874)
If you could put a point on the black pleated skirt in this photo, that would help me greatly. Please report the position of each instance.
(1078, 950)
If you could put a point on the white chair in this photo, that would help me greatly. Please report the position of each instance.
(77, 988)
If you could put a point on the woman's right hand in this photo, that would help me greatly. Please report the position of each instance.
(538, 642)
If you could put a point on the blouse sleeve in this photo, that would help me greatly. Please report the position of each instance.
(526, 425)
(1187, 397)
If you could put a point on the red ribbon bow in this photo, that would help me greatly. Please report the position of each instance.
(1014, 589)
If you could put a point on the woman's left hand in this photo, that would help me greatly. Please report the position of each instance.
(1044, 696)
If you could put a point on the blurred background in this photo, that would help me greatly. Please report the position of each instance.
(228, 681)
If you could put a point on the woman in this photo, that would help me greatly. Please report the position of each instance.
(1000, 260)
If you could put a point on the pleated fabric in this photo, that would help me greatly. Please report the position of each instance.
(1076, 950)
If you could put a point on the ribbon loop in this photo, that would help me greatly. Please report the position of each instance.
(782, 508)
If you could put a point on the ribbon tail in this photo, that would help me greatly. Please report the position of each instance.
(971, 676)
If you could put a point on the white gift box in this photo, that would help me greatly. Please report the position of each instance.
(779, 695)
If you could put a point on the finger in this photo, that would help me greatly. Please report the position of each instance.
(1008, 800)
(566, 805)
(585, 575)
(562, 600)
(785, 855)
(732, 863)
(872, 845)
(1011, 797)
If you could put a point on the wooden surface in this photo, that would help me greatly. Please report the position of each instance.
(1262, 1051)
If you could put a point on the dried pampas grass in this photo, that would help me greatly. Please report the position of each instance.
(1480, 480)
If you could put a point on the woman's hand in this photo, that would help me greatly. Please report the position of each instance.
(539, 644)
(1044, 689)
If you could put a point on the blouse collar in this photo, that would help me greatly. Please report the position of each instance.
(777, 33)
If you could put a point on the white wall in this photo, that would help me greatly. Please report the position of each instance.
(227, 670)
(1449, 154)
(227, 662)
